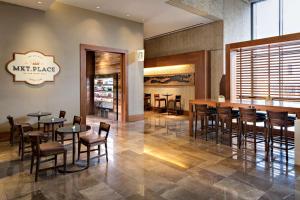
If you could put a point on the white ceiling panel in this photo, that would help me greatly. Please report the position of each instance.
(35, 4)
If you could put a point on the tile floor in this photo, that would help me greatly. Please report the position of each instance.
(156, 159)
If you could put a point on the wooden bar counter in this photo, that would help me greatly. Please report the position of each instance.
(260, 105)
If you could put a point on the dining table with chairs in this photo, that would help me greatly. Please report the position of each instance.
(44, 147)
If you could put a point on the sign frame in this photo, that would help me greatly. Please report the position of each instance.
(27, 52)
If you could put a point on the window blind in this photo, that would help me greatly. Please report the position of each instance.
(269, 71)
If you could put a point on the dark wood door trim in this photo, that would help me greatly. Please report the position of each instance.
(83, 85)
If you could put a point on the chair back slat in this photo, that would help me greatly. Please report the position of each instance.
(156, 96)
(248, 114)
(224, 113)
(62, 114)
(277, 118)
(105, 128)
(35, 143)
(11, 121)
(201, 109)
(77, 120)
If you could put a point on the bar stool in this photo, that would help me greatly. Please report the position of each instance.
(224, 118)
(249, 115)
(158, 99)
(283, 121)
(205, 114)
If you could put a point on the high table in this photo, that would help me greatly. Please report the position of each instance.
(260, 105)
(74, 130)
(39, 115)
(167, 99)
(52, 121)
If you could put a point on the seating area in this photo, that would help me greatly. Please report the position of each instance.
(245, 125)
(166, 103)
(40, 144)
(220, 118)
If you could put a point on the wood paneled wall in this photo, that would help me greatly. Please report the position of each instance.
(201, 60)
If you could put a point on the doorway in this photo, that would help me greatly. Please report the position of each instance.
(103, 82)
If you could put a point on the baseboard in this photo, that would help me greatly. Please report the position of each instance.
(134, 118)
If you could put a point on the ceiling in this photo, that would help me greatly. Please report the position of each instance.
(36, 4)
(158, 16)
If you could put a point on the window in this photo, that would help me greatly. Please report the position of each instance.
(275, 17)
(268, 71)
(265, 19)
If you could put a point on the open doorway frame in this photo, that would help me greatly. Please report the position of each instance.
(83, 79)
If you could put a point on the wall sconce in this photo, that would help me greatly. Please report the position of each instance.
(140, 55)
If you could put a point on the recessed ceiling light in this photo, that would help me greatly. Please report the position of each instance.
(40, 2)
(97, 7)
(127, 15)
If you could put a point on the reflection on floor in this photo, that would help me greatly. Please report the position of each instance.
(156, 159)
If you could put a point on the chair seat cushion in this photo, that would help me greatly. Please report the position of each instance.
(92, 139)
(51, 148)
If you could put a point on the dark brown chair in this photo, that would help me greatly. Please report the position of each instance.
(76, 121)
(224, 121)
(178, 102)
(45, 150)
(147, 101)
(284, 141)
(24, 139)
(62, 114)
(205, 115)
(171, 107)
(94, 140)
(159, 100)
(248, 120)
(14, 128)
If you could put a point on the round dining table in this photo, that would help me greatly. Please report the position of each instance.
(51, 121)
(74, 131)
(39, 115)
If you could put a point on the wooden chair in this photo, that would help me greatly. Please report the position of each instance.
(62, 114)
(24, 138)
(205, 115)
(159, 100)
(147, 101)
(14, 128)
(94, 140)
(45, 150)
(249, 119)
(281, 120)
(225, 116)
(178, 101)
(76, 121)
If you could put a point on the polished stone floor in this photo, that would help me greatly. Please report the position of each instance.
(156, 159)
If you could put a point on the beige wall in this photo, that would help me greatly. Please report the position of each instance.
(207, 37)
(59, 32)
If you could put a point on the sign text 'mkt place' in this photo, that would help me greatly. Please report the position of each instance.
(33, 69)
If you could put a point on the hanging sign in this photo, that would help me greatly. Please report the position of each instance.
(33, 68)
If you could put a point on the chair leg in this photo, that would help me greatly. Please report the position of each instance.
(32, 163)
(62, 138)
(55, 164)
(20, 147)
(37, 168)
(106, 152)
(65, 161)
(99, 153)
(206, 126)
(88, 155)
(196, 126)
(286, 146)
(22, 150)
(79, 150)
